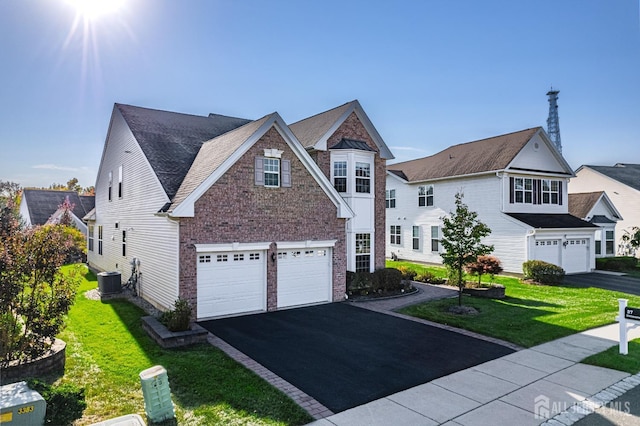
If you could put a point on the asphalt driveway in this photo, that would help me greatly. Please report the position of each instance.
(345, 356)
(622, 283)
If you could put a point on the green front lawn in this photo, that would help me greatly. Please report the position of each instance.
(611, 358)
(107, 349)
(529, 314)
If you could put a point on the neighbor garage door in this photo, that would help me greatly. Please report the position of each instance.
(304, 276)
(231, 283)
(576, 256)
(548, 251)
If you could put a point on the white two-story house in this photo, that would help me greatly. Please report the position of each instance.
(517, 183)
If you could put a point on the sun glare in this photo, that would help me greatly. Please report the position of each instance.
(92, 9)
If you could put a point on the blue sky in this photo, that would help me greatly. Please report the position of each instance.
(428, 73)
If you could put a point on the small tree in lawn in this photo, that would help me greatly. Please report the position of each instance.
(631, 240)
(461, 235)
(486, 264)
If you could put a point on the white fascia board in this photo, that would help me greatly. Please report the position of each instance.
(614, 211)
(393, 175)
(305, 244)
(187, 207)
(237, 246)
(344, 211)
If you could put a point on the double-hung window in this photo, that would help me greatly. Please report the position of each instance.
(340, 176)
(416, 237)
(390, 198)
(120, 182)
(396, 234)
(99, 239)
(435, 239)
(124, 242)
(425, 195)
(110, 185)
(363, 252)
(90, 237)
(272, 172)
(523, 190)
(550, 191)
(609, 243)
(363, 178)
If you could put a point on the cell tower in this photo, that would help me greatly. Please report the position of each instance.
(553, 123)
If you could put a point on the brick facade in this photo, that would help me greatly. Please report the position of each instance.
(234, 209)
(352, 128)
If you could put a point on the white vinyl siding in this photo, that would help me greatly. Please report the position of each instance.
(150, 238)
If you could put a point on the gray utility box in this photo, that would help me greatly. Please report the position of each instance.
(109, 282)
(20, 405)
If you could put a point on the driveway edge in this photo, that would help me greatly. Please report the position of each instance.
(307, 402)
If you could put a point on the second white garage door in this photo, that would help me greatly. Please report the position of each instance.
(231, 283)
(304, 276)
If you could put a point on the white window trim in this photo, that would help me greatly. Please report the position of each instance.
(266, 172)
(396, 238)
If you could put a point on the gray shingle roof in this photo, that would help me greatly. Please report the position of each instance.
(580, 204)
(480, 156)
(42, 203)
(212, 154)
(312, 129)
(171, 141)
(628, 174)
(551, 221)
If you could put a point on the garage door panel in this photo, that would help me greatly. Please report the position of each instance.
(576, 256)
(304, 277)
(548, 251)
(231, 283)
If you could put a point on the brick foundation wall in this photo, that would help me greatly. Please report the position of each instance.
(236, 210)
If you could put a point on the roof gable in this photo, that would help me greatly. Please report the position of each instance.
(313, 132)
(588, 205)
(627, 174)
(171, 141)
(218, 155)
(539, 155)
(43, 203)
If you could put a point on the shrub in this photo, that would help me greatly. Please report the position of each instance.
(360, 283)
(407, 273)
(542, 272)
(484, 265)
(386, 279)
(620, 263)
(179, 318)
(65, 402)
(424, 277)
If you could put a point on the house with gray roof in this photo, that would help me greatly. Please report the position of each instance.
(597, 208)
(621, 182)
(516, 183)
(238, 215)
(41, 206)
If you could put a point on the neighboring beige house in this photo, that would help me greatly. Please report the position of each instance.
(621, 182)
(597, 208)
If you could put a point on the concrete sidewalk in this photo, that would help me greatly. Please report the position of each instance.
(543, 384)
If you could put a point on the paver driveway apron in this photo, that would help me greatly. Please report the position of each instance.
(344, 356)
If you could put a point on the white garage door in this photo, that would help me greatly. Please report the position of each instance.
(304, 276)
(231, 283)
(548, 251)
(576, 256)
